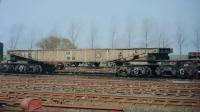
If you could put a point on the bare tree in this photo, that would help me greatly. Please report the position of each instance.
(54, 30)
(32, 36)
(163, 42)
(74, 31)
(113, 31)
(180, 39)
(129, 30)
(147, 25)
(16, 33)
(93, 34)
(196, 41)
(31, 42)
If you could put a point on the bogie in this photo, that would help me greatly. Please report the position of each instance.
(141, 71)
(165, 71)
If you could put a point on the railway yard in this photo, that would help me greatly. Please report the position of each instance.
(100, 56)
(101, 93)
(99, 80)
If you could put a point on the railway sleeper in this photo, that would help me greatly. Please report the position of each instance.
(60, 97)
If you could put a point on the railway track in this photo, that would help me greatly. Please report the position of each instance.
(73, 80)
(62, 99)
(105, 87)
(61, 78)
(137, 90)
(7, 105)
(98, 75)
(83, 92)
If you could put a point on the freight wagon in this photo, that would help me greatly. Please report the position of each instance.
(145, 62)
(90, 56)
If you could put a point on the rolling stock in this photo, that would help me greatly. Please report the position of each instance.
(143, 62)
(92, 56)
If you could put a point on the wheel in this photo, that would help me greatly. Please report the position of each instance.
(49, 69)
(96, 64)
(182, 73)
(5, 68)
(16, 68)
(139, 71)
(158, 71)
(37, 69)
(136, 71)
(76, 64)
(60, 66)
(11, 68)
(122, 73)
(22, 68)
(148, 72)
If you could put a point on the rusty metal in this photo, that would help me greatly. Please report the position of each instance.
(106, 109)
(30, 104)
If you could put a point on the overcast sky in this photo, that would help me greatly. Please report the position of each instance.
(45, 17)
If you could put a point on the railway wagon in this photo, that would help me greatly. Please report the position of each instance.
(90, 56)
(194, 55)
(124, 62)
(51, 60)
